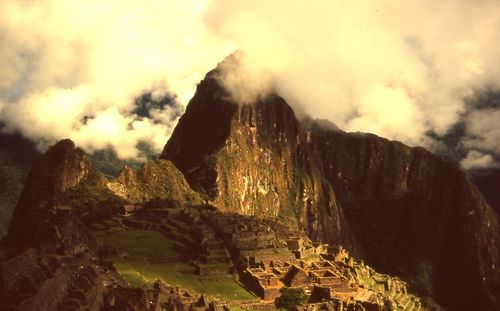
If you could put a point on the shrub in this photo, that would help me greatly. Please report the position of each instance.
(290, 298)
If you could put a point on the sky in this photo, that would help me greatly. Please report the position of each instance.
(405, 70)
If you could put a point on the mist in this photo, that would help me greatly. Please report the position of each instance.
(401, 70)
(76, 68)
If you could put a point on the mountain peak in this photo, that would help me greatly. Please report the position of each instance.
(63, 166)
(370, 194)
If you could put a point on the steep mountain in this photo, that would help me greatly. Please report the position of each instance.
(380, 198)
(415, 215)
(43, 258)
(61, 168)
(256, 160)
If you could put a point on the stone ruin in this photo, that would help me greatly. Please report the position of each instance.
(268, 256)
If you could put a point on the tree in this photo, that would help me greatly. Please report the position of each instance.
(290, 298)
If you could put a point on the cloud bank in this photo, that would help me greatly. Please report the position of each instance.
(402, 70)
(398, 69)
(75, 68)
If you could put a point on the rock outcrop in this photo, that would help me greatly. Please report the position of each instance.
(39, 269)
(42, 200)
(380, 198)
(155, 180)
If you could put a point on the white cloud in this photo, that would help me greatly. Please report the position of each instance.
(65, 60)
(476, 159)
(397, 69)
(483, 126)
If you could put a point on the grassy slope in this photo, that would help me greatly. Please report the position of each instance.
(166, 264)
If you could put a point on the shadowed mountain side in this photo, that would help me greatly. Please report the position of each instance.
(415, 215)
(62, 167)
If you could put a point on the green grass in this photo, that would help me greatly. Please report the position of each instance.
(142, 244)
(213, 265)
(128, 272)
(166, 264)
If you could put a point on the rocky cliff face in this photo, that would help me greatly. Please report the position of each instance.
(155, 180)
(61, 168)
(403, 209)
(255, 160)
(32, 274)
(415, 215)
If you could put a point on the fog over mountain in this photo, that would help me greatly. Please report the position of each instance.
(408, 71)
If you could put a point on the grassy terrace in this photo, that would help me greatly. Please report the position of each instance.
(151, 255)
